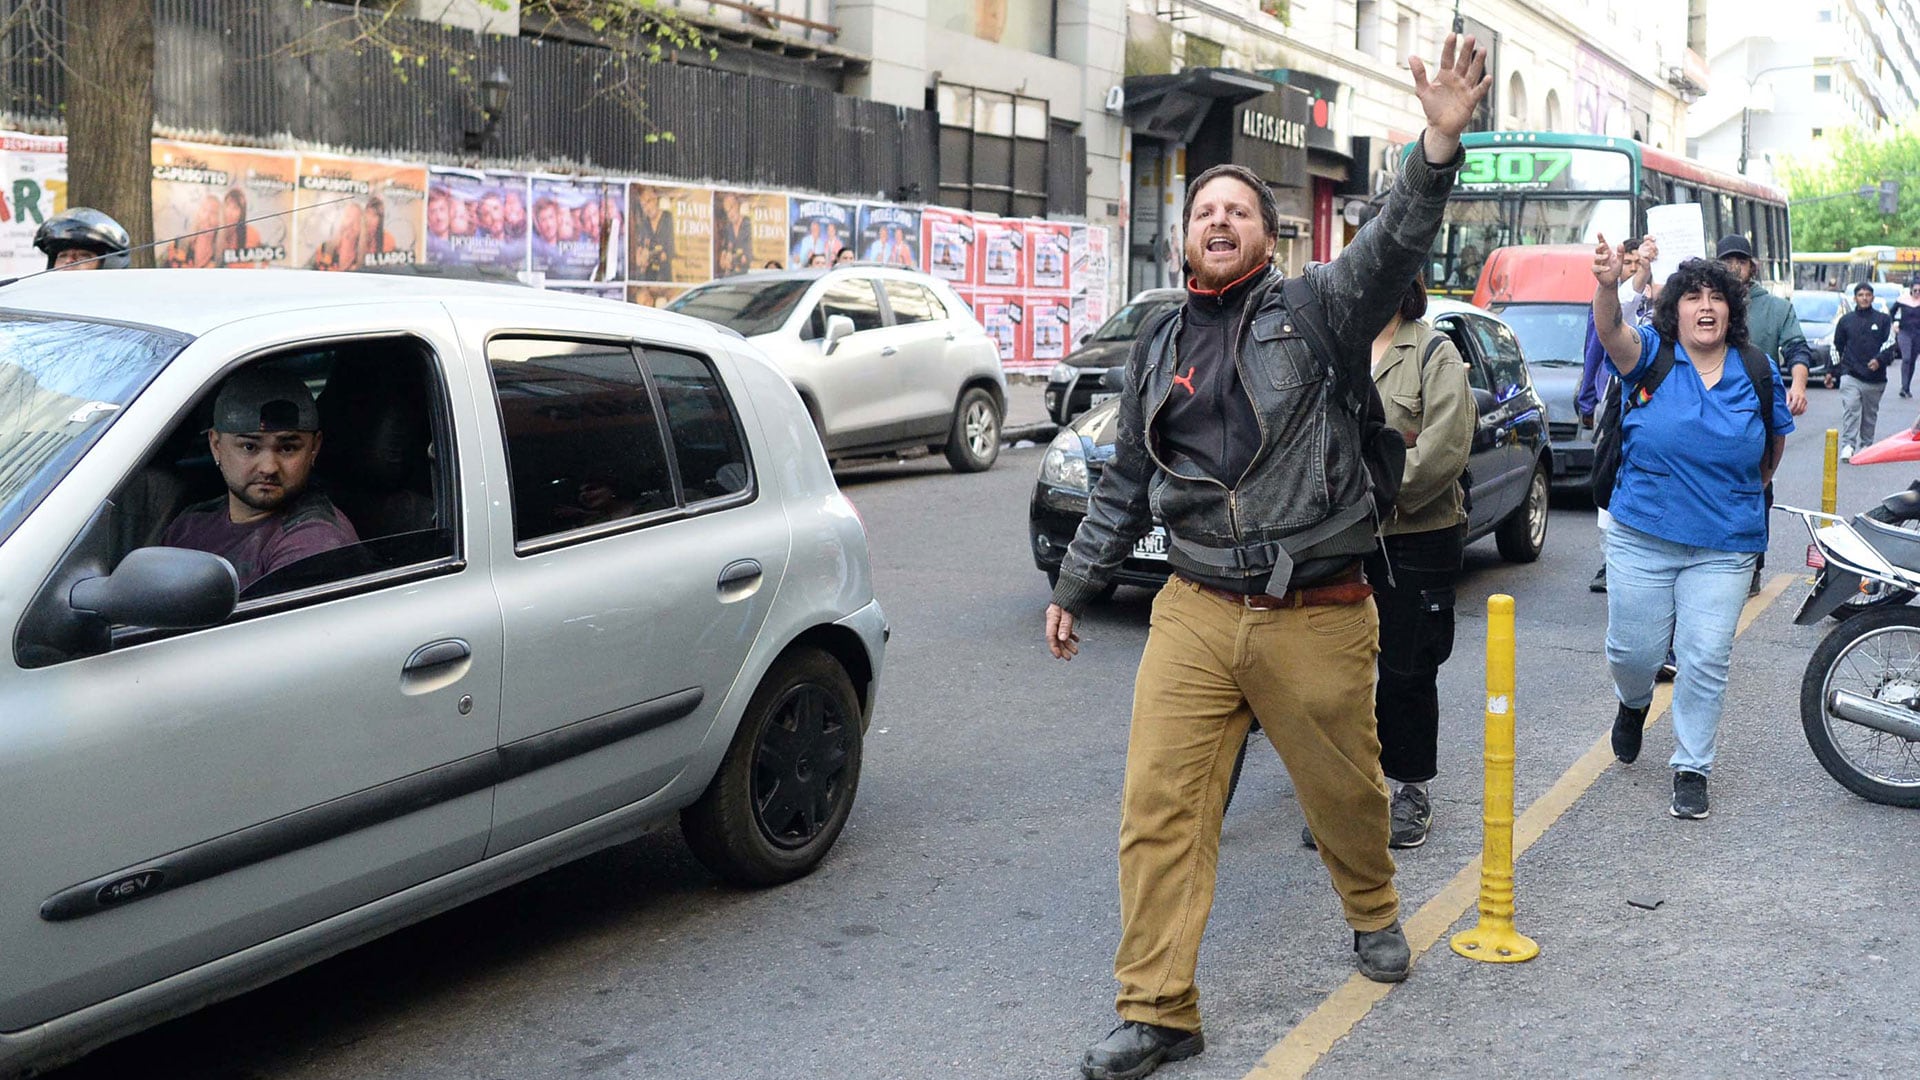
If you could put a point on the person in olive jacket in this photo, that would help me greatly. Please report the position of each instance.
(1423, 386)
(1238, 430)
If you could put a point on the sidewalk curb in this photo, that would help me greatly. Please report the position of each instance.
(1042, 432)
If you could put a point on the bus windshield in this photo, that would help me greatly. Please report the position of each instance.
(1470, 229)
(1574, 221)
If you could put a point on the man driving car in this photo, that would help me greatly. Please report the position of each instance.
(265, 435)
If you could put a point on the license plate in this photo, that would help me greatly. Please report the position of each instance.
(1152, 546)
(1814, 558)
(1109, 396)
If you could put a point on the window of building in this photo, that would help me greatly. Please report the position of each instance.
(1366, 26)
(584, 445)
(1406, 38)
(1823, 84)
(1824, 15)
(1019, 24)
(993, 151)
(1819, 133)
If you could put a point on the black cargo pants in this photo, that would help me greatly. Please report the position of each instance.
(1416, 636)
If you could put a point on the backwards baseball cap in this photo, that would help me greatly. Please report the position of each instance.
(260, 399)
(1734, 244)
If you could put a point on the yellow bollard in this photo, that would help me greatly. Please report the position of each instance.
(1495, 940)
(1830, 479)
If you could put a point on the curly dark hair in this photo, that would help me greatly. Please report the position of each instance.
(1702, 274)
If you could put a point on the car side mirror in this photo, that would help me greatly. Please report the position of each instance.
(1485, 401)
(1084, 338)
(838, 327)
(162, 587)
(1114, 378)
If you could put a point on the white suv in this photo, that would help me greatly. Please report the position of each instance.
(888, 361)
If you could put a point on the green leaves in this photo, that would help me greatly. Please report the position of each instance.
(1853, 160)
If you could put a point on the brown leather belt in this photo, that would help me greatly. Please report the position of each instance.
(1349, 587)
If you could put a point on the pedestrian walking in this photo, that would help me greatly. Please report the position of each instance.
(1269, 508)
(1688, 515)
(1906, 328)
(1861, 348)
(1423, 387)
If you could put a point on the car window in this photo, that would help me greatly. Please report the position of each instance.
(854, 298)
(912, 303)
(707, 446)
(1476, 373)
(584, 445)
(1500, 352)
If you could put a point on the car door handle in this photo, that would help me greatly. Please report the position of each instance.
(437, 654)
(888, 351)
(739, 572)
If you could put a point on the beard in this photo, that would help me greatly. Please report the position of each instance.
(265, 501)
(1213, 279)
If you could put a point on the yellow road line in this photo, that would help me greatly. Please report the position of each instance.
(1303, 1047)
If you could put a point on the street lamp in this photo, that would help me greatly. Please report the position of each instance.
(493, 102)
(1746, 104)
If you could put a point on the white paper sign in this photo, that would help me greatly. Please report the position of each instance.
(1681, 234)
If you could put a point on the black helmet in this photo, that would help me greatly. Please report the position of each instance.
(87, 229)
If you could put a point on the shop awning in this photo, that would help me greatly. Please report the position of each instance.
(1172, 107)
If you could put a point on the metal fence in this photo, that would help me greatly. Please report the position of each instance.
(267, 71)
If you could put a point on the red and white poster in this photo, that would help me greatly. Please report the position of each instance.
(947, 244)
(1001, 248)
(1049, 320)
(1005, 317)
(1049, 255)
(33, 188)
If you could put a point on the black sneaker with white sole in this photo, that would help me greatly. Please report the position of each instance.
(1629, 727)
(1412, 816)
(1689, 795)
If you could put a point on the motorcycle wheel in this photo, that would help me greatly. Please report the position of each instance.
(1876, 655)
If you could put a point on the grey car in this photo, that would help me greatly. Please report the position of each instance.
(888, 361)
(1553, 336)
(603, 577)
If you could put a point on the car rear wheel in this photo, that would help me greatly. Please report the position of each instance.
(1524, 534)
(786, 786)
(974, 442)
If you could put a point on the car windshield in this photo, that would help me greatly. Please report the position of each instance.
(1816, 306)
(1126, 323)
(1554, 335)
(62, 382)
(750, 307)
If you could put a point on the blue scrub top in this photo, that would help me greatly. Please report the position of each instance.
(1690, 461)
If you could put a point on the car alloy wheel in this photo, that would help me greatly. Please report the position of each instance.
(799, 767)
(974, 441)
(1523, 535)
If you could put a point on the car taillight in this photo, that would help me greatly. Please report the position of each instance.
(1814, 558)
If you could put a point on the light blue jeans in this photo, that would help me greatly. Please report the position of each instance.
(1659, 591)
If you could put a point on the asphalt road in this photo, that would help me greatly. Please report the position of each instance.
(965, 923)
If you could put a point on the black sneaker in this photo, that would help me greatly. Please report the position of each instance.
(1383, 955)
(1412, 816)
(1689, 795)
(1599, 582)
(1754, 589)
(1629, 725)
(1134, 1049)
(1667, 670)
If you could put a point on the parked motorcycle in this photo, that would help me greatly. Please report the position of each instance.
(1860, 697)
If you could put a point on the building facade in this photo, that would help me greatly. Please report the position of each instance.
(1788, 73)
(1319, 95)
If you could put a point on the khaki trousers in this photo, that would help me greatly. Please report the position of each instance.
(1211, 666)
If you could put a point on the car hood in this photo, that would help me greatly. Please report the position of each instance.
(1816, 331)
(1097, 427)
(1100, 354)
(1558, 387)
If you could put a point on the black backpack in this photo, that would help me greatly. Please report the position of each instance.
(1609, 435)
(1382, 448)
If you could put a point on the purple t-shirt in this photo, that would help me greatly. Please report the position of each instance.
(311, 525)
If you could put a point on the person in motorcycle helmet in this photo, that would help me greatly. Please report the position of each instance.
(83, 238)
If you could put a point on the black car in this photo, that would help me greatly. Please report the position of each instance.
(1507, 476)
(1073, 386)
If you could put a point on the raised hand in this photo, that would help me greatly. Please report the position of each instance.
(1452, 94)
(1608, 264)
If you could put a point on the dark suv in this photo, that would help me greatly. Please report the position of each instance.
(1073, 386)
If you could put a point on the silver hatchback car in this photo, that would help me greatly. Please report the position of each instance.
(888, 360)
(333, 601)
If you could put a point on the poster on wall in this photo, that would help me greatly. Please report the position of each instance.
(890, 235)
(1048, 254)
(817, 230)
(221, 207)
(576, 229)
(1004, 316)
(672, 233)
(749, 232)
(1099, 286)
(1077, 264)
(654, 295)
(1002, 253)
(946, 238)
(1049, 321)
(33, 188)
(477, 219)
(357, 214)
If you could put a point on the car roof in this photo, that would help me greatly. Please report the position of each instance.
(1447, 305)
(814, 273)
(195, 301)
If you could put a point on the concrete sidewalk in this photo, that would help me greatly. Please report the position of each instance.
(1027, 419)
